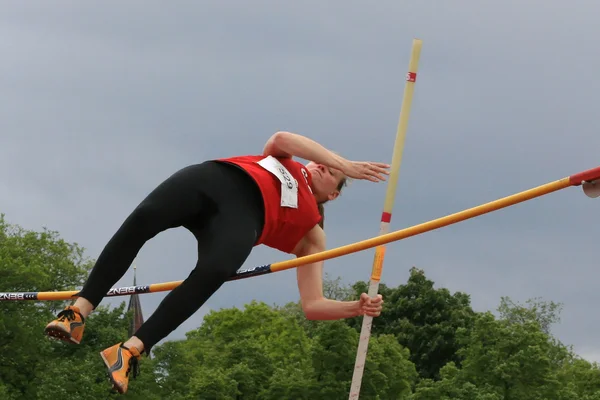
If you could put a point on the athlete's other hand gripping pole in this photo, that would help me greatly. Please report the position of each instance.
(386, 216)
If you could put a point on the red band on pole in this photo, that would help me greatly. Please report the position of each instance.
(386, 217)
(411, 76)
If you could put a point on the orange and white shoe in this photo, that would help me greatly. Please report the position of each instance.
(68, 325)
(120, 361)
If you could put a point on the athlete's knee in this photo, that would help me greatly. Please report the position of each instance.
(144, 217)
(209, 273)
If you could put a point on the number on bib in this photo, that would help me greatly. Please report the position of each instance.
(289, 185)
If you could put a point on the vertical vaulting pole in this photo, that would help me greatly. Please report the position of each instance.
(386, 216)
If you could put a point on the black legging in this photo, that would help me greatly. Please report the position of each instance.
(220, 204)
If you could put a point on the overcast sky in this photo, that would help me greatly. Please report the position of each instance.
(101, 102)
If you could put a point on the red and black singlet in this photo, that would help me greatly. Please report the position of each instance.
(290, 207)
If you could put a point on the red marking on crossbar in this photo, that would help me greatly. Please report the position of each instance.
(411, 76)
(386, 217)
(589, 175)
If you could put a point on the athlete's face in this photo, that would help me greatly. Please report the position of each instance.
(325, 181)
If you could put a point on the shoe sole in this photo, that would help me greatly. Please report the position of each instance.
(60, 334)
(110, 377)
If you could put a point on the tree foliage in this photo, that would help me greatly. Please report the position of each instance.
(428, 344)
(424, 320)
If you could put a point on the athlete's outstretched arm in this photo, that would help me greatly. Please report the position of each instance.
(310, 285)
(287, 144)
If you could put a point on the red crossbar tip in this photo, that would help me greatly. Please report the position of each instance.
(585, 176)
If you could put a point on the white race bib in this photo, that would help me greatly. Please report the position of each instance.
(289, 185)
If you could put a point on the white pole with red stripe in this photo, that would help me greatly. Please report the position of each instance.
(386, 216)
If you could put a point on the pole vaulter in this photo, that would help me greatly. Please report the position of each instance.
(589, 180)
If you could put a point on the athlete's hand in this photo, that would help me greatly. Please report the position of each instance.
(370, 306)
(372, 171)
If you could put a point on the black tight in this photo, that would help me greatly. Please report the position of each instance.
(222, 207)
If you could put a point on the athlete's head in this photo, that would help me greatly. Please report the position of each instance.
(327, 184)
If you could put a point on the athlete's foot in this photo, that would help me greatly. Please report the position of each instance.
(68, 325)
(134, 341)
(120, 362)
(84, 305)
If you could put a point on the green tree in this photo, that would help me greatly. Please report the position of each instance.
(544, 313)
(237, 353)
(428, 344)
(388, 373)
(291, 383)
(453, 385)
(512, 358)
(77, 371)
(334, 350)
(263, 352)
(31, 261)
(502, 360)
(580, 379)
(424, 320)
(33, 366)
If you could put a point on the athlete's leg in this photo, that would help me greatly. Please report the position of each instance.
(221, 252)
(176, 201)
(223, 246)
(224, 243)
